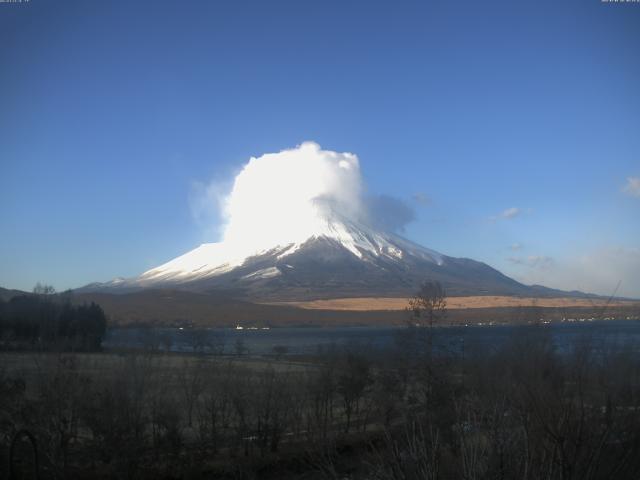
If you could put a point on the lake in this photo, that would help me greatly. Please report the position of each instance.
(287, 341)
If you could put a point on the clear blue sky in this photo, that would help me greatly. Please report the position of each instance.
(110, 111)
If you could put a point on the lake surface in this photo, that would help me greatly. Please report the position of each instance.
(286, 341)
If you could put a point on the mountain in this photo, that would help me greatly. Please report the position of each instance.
(7, 294)
(339, 258)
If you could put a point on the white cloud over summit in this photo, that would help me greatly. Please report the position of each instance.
(282, 196)
(279, 198)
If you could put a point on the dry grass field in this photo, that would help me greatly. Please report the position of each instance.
(455, 303)
(177, 308)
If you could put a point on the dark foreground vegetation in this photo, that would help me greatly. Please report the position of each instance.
(44, 321)
(521, 411)
(415, 410)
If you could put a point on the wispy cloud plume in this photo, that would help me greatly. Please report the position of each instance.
(388, 213)
(542, 262)
(510, 212)
(421, 198)
(632, 187)
(507, 214)
(206, 201)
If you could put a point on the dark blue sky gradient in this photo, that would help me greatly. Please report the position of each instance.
(110, 111)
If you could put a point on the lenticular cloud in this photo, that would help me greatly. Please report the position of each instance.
(281, 198)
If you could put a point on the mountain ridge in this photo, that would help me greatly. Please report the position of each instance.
(341, 258)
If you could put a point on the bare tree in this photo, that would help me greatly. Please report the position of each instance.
(192, 385)
(353, 384)
(414, 454)
(428, 306)
(43, 289)
(215, 411)
(320, 389)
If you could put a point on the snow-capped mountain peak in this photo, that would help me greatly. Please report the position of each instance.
(297, 225)
(214, 259)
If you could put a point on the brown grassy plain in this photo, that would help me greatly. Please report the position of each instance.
(385, 303)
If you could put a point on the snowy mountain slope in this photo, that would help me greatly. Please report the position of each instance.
(214, 259)
(340, 258)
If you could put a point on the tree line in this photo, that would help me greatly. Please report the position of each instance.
(44, 320)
